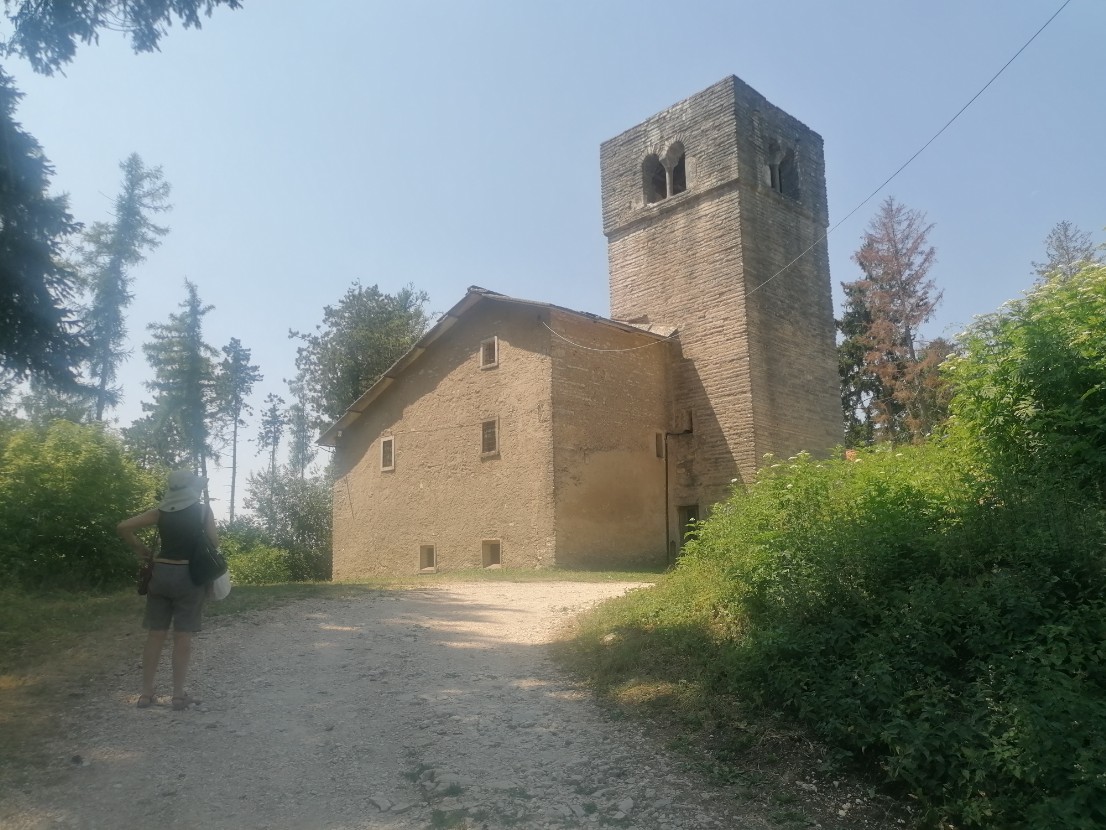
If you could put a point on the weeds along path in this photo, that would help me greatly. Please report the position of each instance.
(420, 709)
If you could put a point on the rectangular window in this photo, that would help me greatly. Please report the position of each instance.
(490, 553)
(489, 353)
(428, 560)
(387, 453)
(660, 445)
(489, 437)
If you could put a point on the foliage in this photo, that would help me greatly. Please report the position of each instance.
(359, 338)
(936, 611)
(909, 611)
(63, 488)
(860, 388)
(251, 556)
(42, 402)
(301, 444)
(1069, 250)
(1032, 381)
(177, 427)
(107, 253)
(234, 382)
(47, 34)
(296, 515)
(273, 422)
(38, 326)
(891, 390)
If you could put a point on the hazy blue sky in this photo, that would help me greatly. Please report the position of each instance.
(447, 144)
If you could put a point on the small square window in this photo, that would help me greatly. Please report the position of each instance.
(489, 437)
(489, 353)
(428, 559)
(490, 553)
(387, 453)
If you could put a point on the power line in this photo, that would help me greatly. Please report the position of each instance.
(592, 349)
(922, 149)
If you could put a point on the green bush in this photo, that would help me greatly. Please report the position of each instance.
(1031, 382)
(252, 558)
(260, 565)
(63, 488)
(296, 514)
(913, 615)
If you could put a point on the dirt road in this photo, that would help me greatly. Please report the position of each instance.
(420, 709)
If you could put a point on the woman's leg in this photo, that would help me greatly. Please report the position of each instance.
(182, 653)
(151, 656)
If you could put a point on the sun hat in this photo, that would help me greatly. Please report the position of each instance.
(185, 489)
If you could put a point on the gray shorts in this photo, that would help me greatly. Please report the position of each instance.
(173, 599)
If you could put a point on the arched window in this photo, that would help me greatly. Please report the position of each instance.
(674, 161)
(654, 180)
(789, 176)
(783, 173)
(664, 178)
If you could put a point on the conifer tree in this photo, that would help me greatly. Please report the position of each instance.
(185, 404)
(38, 320)
(47, 33)
(1069, 249)
(236, 378)
(301, 446)
(108, 252)
(273, 422)
(891, 388)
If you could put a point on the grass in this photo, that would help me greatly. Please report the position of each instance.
(656, 656)
(56, 645)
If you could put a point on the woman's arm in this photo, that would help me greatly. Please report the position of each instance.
(126, 529)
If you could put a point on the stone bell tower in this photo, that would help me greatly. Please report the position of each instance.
(715, 216)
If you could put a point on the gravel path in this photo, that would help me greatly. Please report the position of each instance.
(421, 709)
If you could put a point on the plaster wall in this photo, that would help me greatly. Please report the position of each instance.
(610, 405)
(444, 491)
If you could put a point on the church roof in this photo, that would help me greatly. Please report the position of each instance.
(474, 296)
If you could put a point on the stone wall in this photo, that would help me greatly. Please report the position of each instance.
(758, 367)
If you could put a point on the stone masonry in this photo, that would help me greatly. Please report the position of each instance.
(733, 255)
(520, 434)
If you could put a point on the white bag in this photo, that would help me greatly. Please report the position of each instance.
(220, 588)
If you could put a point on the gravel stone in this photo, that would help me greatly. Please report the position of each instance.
(378, 712)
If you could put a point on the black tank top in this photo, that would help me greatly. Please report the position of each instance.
(180, 530)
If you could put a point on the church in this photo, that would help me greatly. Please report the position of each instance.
(521, 434)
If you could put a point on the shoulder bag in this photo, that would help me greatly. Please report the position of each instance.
(206, 564)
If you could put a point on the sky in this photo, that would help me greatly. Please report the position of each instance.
(447, 144)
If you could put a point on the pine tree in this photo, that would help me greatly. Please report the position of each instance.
(859, 387)
(1069, 249)
(891, 389)
(301, 446)
(235, 381)
(47, 33)
(185, 404)
(273, 422)
(108, 252)
(38, 321)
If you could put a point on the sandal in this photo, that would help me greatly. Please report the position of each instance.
(145, 701)
(182, 703)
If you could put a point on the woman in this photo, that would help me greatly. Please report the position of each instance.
(172, 598)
